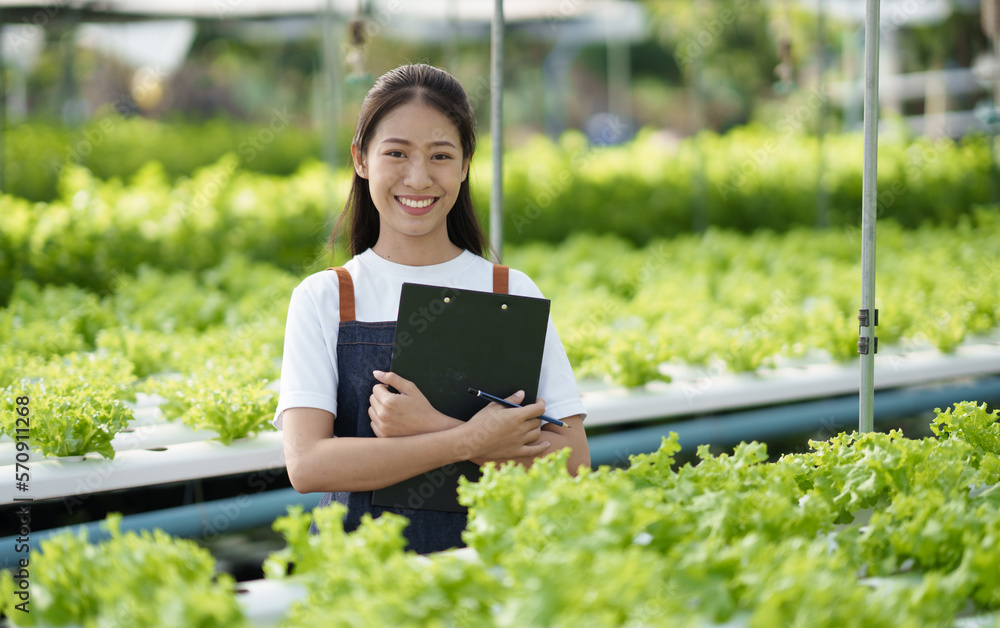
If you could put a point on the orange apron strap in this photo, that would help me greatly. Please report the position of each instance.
(346, 294)
(501, 275)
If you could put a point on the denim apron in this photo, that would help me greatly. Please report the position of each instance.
(363, 347)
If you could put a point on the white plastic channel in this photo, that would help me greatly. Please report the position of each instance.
(52, 478)
(162, 453)
(727, 391)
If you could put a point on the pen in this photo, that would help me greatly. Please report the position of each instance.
(510, 404)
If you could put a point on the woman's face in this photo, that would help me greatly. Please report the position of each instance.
(415, 168)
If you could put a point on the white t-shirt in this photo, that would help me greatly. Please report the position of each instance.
(309, 366)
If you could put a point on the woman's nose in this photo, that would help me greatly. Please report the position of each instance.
(417, 176)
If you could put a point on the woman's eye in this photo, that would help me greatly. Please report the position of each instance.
(395, 153)
(441, 156)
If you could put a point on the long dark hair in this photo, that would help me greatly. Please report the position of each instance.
(434, 87)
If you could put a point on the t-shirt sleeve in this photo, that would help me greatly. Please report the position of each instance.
(557, 383)
(309, 362)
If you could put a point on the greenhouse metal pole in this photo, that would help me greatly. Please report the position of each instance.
(3, 120)
(452, 48)
(331, 83)
(496, 129)
(822, 197)
(868, 316)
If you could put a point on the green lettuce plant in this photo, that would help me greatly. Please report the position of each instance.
(159, 581)
(77, 403)
(733, 539)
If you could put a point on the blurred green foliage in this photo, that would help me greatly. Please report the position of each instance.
(96, 230)
(208, 342)
(753, 178)
(38, 152)
(726, 302)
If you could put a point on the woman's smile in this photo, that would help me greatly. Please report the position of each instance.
(415, 168)
(417, 205)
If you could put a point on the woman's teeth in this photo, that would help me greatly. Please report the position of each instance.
(415, 204)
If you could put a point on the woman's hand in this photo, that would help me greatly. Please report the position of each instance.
(405, 413)
(500, 433)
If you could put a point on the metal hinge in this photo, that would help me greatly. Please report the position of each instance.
(865, 342)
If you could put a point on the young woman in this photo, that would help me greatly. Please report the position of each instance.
(410, 219)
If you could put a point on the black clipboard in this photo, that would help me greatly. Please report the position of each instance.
(448, 340)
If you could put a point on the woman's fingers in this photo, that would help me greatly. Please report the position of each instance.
(376, 426)
(516, 397)
(380, 394)
(502, 433)
(382, 399)
(398, 382)
(405, 412)
(537, 450)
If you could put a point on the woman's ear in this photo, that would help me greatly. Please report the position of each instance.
(465, 167)
(360, 163)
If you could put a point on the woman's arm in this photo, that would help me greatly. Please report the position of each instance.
(318, 462)
(408, 412)
(559, 437)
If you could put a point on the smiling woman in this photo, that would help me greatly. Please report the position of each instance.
(409, 218)
(415, 169)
